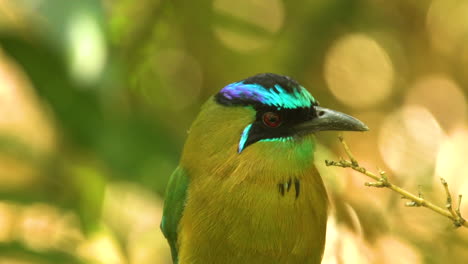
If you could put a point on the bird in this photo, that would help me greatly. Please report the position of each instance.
(246, 189)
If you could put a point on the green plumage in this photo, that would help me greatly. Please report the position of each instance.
(173, 208)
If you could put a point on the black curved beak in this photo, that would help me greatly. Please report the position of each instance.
(328, 119)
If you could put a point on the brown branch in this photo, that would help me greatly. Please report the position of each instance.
(414, 200)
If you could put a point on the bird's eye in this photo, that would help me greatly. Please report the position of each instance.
(272, 119)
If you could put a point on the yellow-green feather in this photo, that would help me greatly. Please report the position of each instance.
(234, 211)
(173, 208)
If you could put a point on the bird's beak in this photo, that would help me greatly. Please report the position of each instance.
(328, 119)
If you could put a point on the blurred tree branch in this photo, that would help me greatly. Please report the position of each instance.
(414, 200)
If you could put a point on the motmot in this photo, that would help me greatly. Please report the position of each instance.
(246, 189)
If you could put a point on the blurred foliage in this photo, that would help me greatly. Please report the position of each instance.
(96, 97)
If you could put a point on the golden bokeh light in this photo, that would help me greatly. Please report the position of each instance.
(38, 225)
(87, 51)
(447, 24)
(24, 122)
(409, 141)
(148, 247)
(8, 215)
(344, 245)
(442, 97)
(331, 250)
(265, 15)
(43, 227)
(353, 248)
(389, 246)
(21, 113)
(102, 248)
(359, 71)
(135, 213)
(451, 160)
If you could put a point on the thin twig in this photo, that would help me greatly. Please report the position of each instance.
(448, 204)
(458, 208)
(414, 200)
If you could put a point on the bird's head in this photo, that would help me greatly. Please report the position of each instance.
(266, 115)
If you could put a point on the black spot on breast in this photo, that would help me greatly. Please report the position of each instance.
(281, 188)
(285, 187)
(289, 184)
(297, 187)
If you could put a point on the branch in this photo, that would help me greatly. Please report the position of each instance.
(382, 181)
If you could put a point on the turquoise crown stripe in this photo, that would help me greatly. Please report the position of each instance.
(276, 96)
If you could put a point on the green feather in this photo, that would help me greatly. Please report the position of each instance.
(174, 204)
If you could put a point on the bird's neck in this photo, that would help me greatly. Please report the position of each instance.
(267, 161)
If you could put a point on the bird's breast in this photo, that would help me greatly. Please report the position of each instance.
(281, 219)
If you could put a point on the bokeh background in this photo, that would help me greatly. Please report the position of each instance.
(96, 98)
